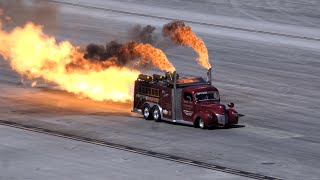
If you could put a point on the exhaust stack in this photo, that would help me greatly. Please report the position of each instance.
(174, 97)
(209, 76)
(175, 79)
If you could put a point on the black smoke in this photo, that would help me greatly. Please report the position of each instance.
(144, 34)
(148, 35)
(19, 12)
(120, 54)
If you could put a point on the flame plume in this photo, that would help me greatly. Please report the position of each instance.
(149, 52)
(34, 54)
(122, 54)
(182, 34)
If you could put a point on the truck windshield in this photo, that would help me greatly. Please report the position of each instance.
(207, 96)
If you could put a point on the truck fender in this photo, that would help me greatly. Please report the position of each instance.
(202, 114)
(233, 116)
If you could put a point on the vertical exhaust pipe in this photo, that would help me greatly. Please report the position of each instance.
(209, 76)
(174, 97)
(174, 74)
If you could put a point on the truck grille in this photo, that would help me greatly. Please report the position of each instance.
(222, 119)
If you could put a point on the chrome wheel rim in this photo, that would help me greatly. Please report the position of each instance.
(201, 123)
(146, 112)
(156, 114)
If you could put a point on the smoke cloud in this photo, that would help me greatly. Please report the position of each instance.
(131, 54)
(144, 34)
(148, 35)
(124, 54)
(112, 53)
(19, 12)
(181, 34)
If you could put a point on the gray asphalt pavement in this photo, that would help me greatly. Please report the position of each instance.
(30, 155)
(273, 80)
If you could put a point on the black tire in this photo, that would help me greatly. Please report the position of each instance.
(195, 123)
(156, 114)
(146, 112)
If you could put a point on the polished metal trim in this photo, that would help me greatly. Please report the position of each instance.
(178, 121)
(184, 122)
(222, 118)
(166, 119)
(135, 110)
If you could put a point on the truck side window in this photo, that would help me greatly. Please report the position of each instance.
(187, 97)
(148, 91)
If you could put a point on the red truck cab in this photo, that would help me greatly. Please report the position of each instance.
(191, 101)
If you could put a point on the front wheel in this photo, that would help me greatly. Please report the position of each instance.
(146, 112)
(156, 114)
(201, 124)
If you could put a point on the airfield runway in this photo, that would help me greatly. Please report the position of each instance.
(266, 59)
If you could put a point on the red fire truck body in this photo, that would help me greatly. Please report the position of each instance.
(191, 101)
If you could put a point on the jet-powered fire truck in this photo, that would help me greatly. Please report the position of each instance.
(193, 100)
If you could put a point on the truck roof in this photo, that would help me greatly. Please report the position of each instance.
(192, 81)
(199, 88)
(194, 84)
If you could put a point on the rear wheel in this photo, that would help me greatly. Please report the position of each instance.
(156, 114)
(146, 112)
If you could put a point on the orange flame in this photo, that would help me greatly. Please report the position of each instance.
(158, 58)
(182, 34)
(36, 55)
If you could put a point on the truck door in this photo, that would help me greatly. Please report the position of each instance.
(187, 105)
(166, 103)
